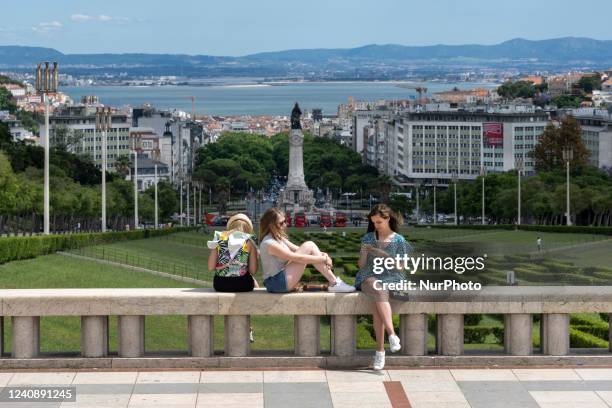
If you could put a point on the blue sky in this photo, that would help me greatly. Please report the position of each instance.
(239, 27)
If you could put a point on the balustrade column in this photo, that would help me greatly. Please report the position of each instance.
(517, 334)
(554, 332)
(26, 336)
(306, 335)
(200, 335)
(449, 334)
(343, 338)
(94, 336)
(413, 332)
(610, 332)
(237, 342)
(131, 336)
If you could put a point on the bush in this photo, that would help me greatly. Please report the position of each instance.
(351, 270)
(580, 339)
(15, 248)
(472, 319)
(479, 334)
(541, 228)
(599, 331)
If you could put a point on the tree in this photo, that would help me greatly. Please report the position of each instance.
(6, 100)
(566, 101)
(518, 89)
(167, 199)
(548, 152)
(8, 186)
(122, 165)
(65, 138)
(590, 83)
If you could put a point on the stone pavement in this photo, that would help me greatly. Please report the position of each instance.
(317, 388)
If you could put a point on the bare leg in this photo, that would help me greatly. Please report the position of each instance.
(379, 329)
(294, 271)
(384, 311)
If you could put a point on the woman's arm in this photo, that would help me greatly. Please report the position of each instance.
(252, 258)
(282, 252)
(363, 256)
(212, 260)
(291, 245)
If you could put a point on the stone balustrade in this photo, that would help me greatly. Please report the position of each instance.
(25, 307)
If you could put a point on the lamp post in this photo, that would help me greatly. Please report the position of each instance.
(568, 155)
(519, 168)
(455, 194)
(482, 175)
(417, 183)
(156, 207)
(46, 173)
(434, 182)
(103, 124)
(135, 187)
(181, 203)
(188, 212)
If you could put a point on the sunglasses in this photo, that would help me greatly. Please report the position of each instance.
(283, 222)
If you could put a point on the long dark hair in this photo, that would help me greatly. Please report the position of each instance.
(384, 211)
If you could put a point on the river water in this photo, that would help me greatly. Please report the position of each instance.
(268, 99)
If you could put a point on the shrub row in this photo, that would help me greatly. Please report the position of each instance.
(15, 248)
(580, 339)
(479, 334)
(575, 229)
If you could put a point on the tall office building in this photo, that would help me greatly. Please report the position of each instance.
(436, 141)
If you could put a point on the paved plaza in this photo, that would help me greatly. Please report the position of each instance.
(317, 388)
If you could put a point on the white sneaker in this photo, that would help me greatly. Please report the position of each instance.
(394, 343)
(379, 360)
(341, 287)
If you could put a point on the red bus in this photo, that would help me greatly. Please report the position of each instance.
(288, 219)
(325, 220)
(340, 220)
(300, 220)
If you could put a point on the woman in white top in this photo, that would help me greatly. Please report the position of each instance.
(284, 262)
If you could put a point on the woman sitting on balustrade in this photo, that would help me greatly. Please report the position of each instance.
(233, 256)
(284, 262)
(382, 240)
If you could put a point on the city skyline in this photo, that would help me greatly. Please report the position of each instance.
(237, 28)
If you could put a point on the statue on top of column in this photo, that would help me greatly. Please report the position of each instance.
(296, 113)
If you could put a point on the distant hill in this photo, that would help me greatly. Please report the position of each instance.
(559, 49)
(374, 60)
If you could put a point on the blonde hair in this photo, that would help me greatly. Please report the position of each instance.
(240, 222)
(269, 224)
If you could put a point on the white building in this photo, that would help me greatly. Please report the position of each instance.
(146, 172)
(436, 142)
(596, 126)
(80, 123)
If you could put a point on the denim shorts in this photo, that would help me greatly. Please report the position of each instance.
(276, 283)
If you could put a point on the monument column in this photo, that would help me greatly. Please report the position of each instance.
(296, 194)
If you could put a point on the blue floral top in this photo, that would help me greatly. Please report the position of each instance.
(396, 246)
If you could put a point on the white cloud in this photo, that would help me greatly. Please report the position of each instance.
(82, 18)
(46, 27)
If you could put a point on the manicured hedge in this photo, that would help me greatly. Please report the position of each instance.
(479, 334)
(580, 339)
(15, 248)
(575, 229)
